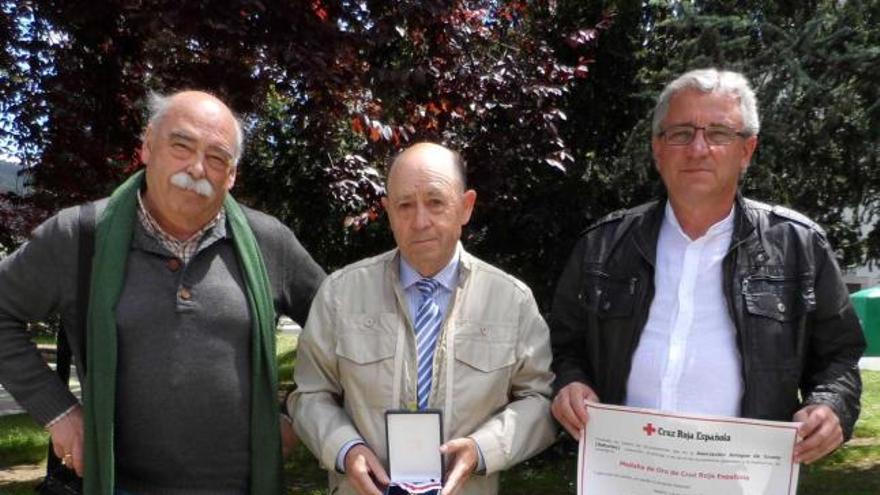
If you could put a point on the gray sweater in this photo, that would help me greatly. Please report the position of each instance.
(184, 359)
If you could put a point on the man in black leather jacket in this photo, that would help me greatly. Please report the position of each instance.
(708, 302)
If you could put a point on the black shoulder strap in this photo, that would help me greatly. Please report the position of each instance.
(87, 221)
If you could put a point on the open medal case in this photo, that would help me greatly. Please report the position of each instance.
(415, 464)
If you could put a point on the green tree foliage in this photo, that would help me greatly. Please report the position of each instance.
(487, 78)
(815, 68)
(548, 100)
(330, 90)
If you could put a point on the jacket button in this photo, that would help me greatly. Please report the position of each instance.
(781, 307)
(184, 294)
(761, 257)
(607, 305)
(369, 322)
(173, 264)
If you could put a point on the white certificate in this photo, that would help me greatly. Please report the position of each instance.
(630, 451)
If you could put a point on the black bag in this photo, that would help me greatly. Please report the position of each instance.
(59, 479)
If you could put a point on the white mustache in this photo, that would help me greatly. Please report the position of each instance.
(200, 186)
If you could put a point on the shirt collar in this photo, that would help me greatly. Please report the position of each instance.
(448, 276)
(186, 248)
(718, 228)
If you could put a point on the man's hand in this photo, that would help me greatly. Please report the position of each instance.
(288, 436)
(365, 471)
(462, 458)
(67, 440)
(820, 433)
(568, 407)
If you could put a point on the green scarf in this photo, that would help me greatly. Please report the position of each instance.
(112, 243)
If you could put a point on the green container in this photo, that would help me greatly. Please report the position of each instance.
(867, 305)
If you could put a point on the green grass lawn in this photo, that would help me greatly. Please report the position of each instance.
(43, 339)
(21, 441)
(853, 470)
(285, 349)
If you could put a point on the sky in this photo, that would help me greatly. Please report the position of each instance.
(9, 159)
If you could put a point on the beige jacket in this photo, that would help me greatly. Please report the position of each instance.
(356, 359)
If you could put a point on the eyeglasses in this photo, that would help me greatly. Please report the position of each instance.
(187, 149)
(683, 135)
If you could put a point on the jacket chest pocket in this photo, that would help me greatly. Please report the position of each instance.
(484, 356)
(778, 298)
(365, 350)
(607, 296)
(777, 306)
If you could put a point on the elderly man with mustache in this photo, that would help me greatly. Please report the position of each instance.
(175, 343)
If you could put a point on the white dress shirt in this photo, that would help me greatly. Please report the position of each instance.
(687, 359)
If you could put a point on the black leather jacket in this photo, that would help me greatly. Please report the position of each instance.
(797, 330)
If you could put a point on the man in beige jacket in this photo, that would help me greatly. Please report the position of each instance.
(367, 346)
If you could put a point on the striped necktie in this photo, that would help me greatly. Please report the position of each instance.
(427, 328)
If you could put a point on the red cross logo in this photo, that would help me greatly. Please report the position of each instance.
(649, 429)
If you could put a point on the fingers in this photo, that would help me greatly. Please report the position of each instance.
(808, 422)
(288, 436)
(360, 478)
(580, 394)
(563, 412)
(78, 458)
(565, 415)
(67, 440)
(455, 480)
(60, 451)
(820, 433)
(378, 471)
(568, 407)
(361, 466)
(463, 461)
